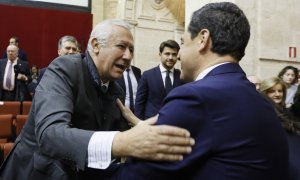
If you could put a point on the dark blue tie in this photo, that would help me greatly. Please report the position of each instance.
(131, 103)
(168, 82)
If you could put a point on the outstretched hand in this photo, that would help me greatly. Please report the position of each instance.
(131, 118)
(146, 141)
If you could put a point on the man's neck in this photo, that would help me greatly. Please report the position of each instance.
(13, 61)
(214, 60)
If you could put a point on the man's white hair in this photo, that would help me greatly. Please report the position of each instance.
(103, 30)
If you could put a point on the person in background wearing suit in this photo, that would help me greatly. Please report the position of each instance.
(129, 83)
(237, 132)
(35, 72)
(21, 54)
(66, 45)
(73, 129)
(157, 82)
(14, 77)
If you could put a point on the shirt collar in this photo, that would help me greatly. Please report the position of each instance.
(207, 70)
(163, 69)
(94, 75)
(13, 61)
(105, 84)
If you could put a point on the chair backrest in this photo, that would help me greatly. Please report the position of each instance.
(5, 149)
(21, 119)
(10, 107)
(26, 105)
(6, 126)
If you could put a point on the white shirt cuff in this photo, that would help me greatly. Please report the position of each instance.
(99, 149)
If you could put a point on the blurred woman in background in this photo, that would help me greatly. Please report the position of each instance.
(275, 90)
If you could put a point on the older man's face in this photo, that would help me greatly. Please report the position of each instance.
(12, 52)
(68, 47)
(112, 59)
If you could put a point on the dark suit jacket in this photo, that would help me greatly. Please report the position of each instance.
(21, 91)
(66, 110)
(236, 130)
(22, 55)
(42, 71)
(151, 92)
(137, 73)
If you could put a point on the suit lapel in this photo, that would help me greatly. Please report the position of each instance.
(91, 93)
(159, 79)
(136, 73)
(3, 65)
(121, 82)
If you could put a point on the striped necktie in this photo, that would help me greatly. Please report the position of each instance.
(8, 75)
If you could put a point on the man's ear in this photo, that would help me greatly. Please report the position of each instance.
(58, 52)
(95, 45)
(203, 39)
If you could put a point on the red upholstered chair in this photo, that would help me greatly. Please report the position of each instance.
(7, 148)
(10, 107)
(21, 119)
(6, 127)
(26, 107)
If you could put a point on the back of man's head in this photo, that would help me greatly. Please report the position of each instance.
(228, 26)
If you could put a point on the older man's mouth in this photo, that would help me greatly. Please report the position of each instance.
(121, 66)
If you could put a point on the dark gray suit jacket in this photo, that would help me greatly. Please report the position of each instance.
(66, 110)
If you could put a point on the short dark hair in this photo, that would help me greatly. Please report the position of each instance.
(285, 69)
(16, 39)
(228, 26)
(170, 44)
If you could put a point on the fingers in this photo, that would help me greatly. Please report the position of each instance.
(127, 113)
(163, 143)
(120, 104)
(173, 149)
(171, 130)
(152, 120)
(176, 141)
(165, 157)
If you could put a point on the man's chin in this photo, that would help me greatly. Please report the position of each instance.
(116, 77)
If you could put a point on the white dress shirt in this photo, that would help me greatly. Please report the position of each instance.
(134, 86)
(100, 147)
(163, 72)
(12, 75)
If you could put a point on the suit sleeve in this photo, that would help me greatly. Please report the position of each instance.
(141, 97)
(54, 104)
(27, 72)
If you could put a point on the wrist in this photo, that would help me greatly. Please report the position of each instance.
(119, 145)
